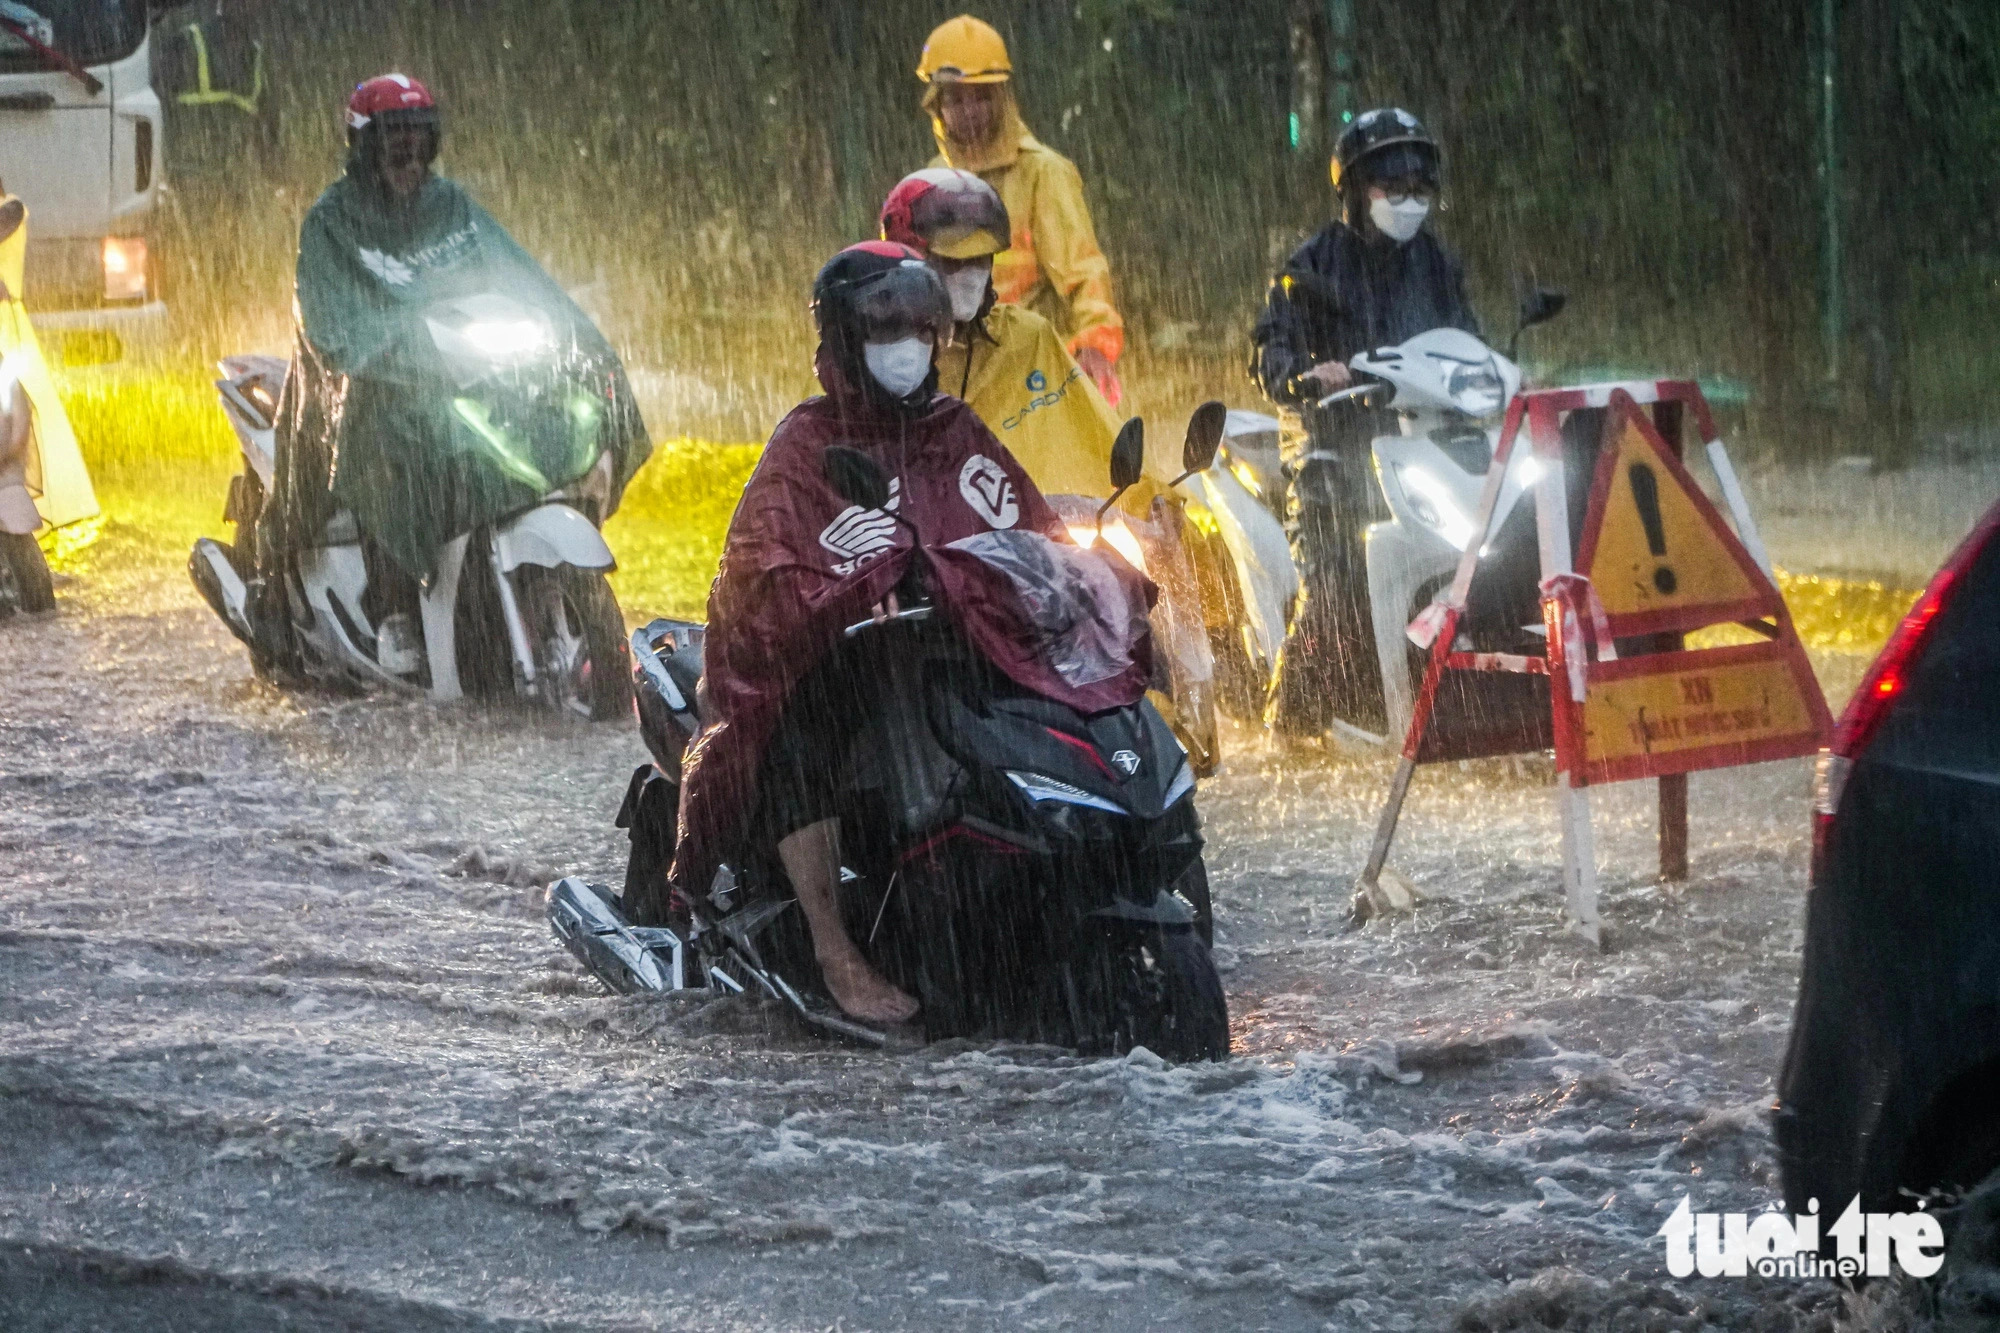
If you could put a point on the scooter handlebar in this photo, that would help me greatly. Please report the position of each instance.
(1353, 391)
(914, 613)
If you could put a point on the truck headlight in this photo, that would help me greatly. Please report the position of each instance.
(124, 268)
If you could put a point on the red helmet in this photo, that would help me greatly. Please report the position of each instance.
(946, 212)
(395, 99)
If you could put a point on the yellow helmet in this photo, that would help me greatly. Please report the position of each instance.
(964, 50)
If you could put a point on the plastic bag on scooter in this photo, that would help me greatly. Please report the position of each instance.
(1088, 623)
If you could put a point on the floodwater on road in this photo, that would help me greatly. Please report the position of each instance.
(286, 1043)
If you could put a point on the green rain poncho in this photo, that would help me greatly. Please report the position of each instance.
(374, 420)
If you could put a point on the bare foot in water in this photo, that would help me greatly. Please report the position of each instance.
(862, 992)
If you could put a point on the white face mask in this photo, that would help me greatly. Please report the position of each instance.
(1399, 222)
(967, 289)
(899, 366)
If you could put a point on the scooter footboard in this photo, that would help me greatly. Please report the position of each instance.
(630, 959)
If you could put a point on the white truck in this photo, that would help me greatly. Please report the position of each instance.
(81, 145)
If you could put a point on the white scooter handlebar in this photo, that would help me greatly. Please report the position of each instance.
(1355, 391)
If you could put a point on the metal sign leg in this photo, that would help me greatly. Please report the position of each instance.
(1579, 847)
(1674, 827)
(1367, 892)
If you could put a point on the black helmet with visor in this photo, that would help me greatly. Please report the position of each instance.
(1386, 146)
(878, 292)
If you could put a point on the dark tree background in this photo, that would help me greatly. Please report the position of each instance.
(1661, 159)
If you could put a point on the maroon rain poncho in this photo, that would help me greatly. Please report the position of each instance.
(801, 563)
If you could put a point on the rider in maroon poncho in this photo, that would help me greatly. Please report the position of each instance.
(801, 562)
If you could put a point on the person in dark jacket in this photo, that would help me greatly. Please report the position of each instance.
(1373, 277)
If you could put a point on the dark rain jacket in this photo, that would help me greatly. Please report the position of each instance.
(1341, 294)
(370, 421)
(801, 563)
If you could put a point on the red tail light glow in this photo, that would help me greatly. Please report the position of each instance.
(1885, 681)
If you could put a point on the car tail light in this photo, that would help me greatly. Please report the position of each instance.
(1887, 677)
(124, 268)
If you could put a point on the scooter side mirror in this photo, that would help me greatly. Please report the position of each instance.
(1537, 307)
(1204, 439)
(856, 476)
(1541, 305)
(1128, 454)
(1128, 461)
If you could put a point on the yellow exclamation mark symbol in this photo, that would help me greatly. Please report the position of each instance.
(1646, 495)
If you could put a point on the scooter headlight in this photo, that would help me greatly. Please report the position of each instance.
(505, 339)
(487, 333)
(1116, 535)
(1477, 391)
(1433, 504)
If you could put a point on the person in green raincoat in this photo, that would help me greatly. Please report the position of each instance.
(373, 421)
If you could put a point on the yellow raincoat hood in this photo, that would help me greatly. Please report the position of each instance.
(1003, 151)
(1052, 264)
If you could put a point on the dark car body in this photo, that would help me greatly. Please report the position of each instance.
(1891, 1083)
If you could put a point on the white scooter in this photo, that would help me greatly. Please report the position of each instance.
(518, 606)
(1245, 559)
(1449, 392)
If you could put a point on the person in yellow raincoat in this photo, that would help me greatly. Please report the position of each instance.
(42, 477)
(1009, 365)
(1052, 262)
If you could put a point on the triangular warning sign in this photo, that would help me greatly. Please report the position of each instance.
(1655, 549)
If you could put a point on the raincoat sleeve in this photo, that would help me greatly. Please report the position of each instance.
(1066, 247)
(625, 433)
(772, 561)
(1279, 351)
(523, 268)
(778, 604)
(351, 329)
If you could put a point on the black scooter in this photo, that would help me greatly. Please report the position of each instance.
(1027, 871)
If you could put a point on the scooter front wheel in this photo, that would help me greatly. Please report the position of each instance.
(1157, 989)
(583, 665)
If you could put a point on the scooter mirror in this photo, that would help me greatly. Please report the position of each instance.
(1128, 454)
(856, 476)
(1541, 305)
(1204, 438)
(12, 214)
(1128, 460)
